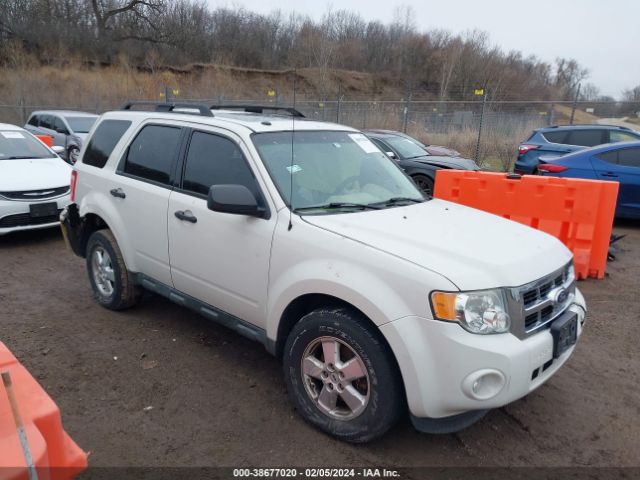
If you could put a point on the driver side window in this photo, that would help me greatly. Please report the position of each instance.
(216, 160)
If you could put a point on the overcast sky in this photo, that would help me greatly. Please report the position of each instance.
(603, 36)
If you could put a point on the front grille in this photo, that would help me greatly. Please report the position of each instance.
(539, 292)
(536, 304)
(25, 220)
(36, 195)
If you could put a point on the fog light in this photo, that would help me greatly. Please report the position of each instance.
(483, 384)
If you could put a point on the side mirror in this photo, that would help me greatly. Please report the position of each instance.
(235, 199)
(63, 131)
(58, 149)
(391, 155)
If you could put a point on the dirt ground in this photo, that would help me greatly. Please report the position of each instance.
(159, 385)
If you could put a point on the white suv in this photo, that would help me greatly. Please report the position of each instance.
(304, 236)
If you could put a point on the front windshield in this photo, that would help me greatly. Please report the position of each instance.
(16, 145)
(81, 124)
(406, 147)
(329, 169)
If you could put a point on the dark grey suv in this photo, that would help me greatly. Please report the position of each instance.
(68, 129)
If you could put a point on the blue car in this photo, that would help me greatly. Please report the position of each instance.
(618, 162)
(562, 139)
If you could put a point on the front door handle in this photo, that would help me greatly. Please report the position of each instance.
(609, 174)
(118, 192)
(186, 216)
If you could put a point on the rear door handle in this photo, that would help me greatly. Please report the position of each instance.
(186, 216)
(609, 174)
(118, 192)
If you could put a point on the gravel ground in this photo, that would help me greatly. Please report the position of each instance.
(159, 385)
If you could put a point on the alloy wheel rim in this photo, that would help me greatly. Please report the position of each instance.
(102, 269)
(335, 378)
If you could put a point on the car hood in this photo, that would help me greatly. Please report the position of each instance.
(471, 248)
(441, 151)
(449, 162)
(37, 174)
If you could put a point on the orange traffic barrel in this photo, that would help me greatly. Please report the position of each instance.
(33, 443)
(578, 212)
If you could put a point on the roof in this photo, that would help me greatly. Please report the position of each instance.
(8, 126)
(64, 112)
(226, 118)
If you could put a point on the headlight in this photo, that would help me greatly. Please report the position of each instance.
(483, 311)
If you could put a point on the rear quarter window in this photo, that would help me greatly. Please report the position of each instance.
(103, 141)
(555, 137)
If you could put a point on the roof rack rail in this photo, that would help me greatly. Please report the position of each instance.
(202, 109)
(259, 109)
(590, 125)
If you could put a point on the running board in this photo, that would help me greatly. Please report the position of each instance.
(219, 316)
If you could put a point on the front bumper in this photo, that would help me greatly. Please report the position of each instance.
(15, 215)
(439, 361)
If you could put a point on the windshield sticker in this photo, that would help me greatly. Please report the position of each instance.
(294, 169)
(12, 135)
(364, 143)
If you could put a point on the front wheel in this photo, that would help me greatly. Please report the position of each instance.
(341, 375)
(424, 183)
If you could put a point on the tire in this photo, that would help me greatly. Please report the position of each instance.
(72, 155)
(379, 398)
(424, 183)
(112, 284)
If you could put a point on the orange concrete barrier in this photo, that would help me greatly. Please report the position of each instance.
(46, 139)
(578, 212)
(54, 454)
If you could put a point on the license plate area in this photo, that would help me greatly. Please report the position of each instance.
(565, 333)
(39, 210)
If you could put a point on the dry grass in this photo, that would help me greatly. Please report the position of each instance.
(30, 86)
(563, 116)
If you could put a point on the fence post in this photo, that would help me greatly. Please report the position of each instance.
(552, 114)
(339, 103)
(484, 103)
(406, 111)
(575, 104)
(167, 92)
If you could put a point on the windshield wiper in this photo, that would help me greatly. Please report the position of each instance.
(398, 200)
(336, 205)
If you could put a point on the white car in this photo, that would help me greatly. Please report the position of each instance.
(34, 182)
(304, 236)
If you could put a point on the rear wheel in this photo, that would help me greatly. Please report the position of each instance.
(341, 375)
(424, 183)
(112, 284)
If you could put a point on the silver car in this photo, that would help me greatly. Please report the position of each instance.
(68, 129)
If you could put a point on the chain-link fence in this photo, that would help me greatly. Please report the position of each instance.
(455, 124)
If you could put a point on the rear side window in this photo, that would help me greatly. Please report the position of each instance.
(617, 136)
(215, 160)
(609, 157)
(103, 141)
(629, 157)
(555, 136)
(587, 138)
(152, 153)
